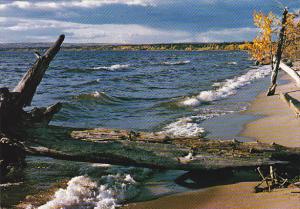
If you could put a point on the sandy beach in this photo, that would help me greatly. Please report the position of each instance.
(238, 195)
(278, 123)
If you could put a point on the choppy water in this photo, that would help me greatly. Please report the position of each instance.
(173, 92)
(137, 90)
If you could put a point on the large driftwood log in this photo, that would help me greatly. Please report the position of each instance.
(12, 116)
(291, 72)
(14, 120)
(155, 150)
(30, 81)
(271, 90)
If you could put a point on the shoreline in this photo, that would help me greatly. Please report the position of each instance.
(275, 122)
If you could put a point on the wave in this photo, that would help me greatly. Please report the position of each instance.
(176, 63)
(227, 88)
(190, 126)
(231, 63)
(88, 83)
(109, 192)
(98, 96)
(184, 127)
(112, 68)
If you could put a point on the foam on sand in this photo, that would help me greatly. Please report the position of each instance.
(228, 87)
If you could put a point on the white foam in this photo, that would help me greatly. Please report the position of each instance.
(177, 63)
(107, 193)
(112, 68)
(190, 126)
(184, 127)
(229, 87)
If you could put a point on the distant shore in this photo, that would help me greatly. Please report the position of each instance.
(227, 46)
(278, 124)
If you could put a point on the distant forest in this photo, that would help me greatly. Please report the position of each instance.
(132, 47)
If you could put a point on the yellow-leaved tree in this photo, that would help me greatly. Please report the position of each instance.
(262, 48)
(264, 45)
(292, 37)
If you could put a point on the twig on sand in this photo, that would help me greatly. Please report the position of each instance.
(273, 181)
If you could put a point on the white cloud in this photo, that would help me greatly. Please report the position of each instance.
(232, 34)
(72, 3)
(37, 30)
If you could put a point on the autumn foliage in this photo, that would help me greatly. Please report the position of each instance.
(264, 45)
(262, 48)
(292, 37)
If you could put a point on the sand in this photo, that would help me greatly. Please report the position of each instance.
(238, 195)
(278, 123)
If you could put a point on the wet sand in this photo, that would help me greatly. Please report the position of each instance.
(278, 123)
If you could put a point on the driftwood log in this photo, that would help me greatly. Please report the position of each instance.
(291, 72)
(14, 120)
(120, 147)
(155, 150)
(12, 116)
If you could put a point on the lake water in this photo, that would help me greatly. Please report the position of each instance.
(176, 92)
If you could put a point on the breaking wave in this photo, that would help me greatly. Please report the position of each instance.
(190, 126)
(112, 68)
(177, 63)
(107, 193)
(227, 88)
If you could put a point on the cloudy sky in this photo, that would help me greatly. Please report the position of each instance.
(133, 21)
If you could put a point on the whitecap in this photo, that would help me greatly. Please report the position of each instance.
(227, 88)
(177, 63)
(112, 68)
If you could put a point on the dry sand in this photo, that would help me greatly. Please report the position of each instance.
(278, 124)
(238, 195)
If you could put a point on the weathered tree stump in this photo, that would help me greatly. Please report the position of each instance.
(14, 120)
(12, 116)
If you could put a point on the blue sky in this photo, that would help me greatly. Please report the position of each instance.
(133, 21)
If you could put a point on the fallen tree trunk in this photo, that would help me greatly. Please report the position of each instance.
(291, 72)
(155, 150)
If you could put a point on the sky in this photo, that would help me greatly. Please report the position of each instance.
(133, 21)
